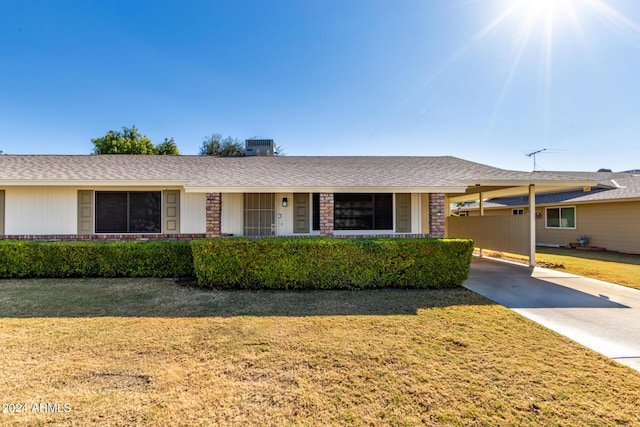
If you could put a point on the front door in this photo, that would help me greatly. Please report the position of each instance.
(301, 213)
(403, 213)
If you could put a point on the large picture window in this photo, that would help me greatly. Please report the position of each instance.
(128, 212)
(561, 217)
(370, 211)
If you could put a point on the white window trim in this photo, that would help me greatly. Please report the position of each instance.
(575, 218)
(517, 211)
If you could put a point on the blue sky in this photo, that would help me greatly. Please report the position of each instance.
(485, 80)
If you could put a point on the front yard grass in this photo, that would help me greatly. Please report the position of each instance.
(611, 267)
(153, 352)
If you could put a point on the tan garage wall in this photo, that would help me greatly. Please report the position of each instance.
(504, 233)
(614, 226)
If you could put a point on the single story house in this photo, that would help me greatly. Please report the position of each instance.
(123, 197)
(606, 215)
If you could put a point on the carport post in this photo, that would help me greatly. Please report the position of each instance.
(481, 214)
(532, 225)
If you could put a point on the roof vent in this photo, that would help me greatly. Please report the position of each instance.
(259, 147)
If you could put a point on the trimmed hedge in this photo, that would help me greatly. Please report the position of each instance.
(95, 259)
(331, 263)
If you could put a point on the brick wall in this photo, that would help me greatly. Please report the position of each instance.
(214, 214)
(436, 215)
(326, 214)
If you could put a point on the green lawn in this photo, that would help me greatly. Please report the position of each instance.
(153, 352)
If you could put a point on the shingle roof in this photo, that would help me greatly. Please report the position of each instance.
(619, 185)
(257, 172)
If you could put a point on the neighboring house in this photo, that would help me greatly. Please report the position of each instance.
(608, 214)
(182, 197)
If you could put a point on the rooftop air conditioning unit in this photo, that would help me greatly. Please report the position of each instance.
(259, 147)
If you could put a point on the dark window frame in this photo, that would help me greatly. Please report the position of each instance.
(315, 211)
(363, 211)
(122, 215)
(560, 217)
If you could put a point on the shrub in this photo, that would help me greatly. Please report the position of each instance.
(86, 259)
(331, 263)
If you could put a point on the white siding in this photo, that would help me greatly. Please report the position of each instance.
(415, 213)
(232, 214)
(193, 213)
(284, 216)
(41, 210)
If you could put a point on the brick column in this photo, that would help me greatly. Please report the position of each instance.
(436, 215)
(326, 214)
(214, 214)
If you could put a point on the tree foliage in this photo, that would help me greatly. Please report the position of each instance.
(167, 147)
(131, 141)
(216, 145)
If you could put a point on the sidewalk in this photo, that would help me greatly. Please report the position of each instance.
(601, 316)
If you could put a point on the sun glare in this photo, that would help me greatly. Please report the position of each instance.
(545, 9)
(543, 23)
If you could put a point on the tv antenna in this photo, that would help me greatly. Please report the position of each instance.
(533, 154)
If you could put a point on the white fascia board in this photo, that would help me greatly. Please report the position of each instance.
(523, 183)
(508, 192)
(547, 204)
(193, 189)
(90, 183)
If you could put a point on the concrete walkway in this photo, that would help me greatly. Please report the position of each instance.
(599, 315)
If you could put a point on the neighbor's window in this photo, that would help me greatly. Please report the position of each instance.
(561, 217)
(517, 211)
(128, 212)
(363, 211)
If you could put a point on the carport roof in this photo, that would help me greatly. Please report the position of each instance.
(611, 186)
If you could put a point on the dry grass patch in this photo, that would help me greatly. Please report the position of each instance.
(611, 267)
(398, 357)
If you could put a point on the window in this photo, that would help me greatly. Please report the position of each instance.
(517, 211)
(128, 212)
(561, 217)
(315, 206)
(363, 211)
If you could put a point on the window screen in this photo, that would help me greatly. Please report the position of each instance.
(128, 212)
(363, 211)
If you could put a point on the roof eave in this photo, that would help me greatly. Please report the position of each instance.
(527, 182)
(321, 189)
(92, 183)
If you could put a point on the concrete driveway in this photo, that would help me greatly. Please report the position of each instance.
(599, 315)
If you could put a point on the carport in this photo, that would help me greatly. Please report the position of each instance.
(506, 233)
